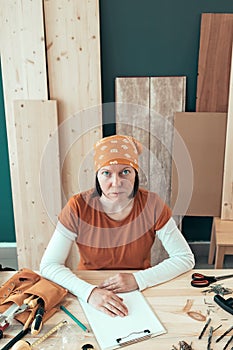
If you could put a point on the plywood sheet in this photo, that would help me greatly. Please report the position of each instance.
(39, 178)
(132, 116)
(167, 96)
(214, 62)
(204, 136)
(227, 191)
(73, 53)
(24, 77)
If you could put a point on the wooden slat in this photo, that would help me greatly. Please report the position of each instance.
(139, 102)
(203, 135)
(39, 178)
(73, 52)
(132, 116)
(167, 96)
(214, 62)
(24, 76)
(227, 191)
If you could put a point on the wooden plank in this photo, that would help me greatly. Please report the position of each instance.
(214, 62)
(167, 96)
(144, 109)
(39, 178)
(132, 116)
(227, 191)
(204, 136)
(24, 75)
(73, 52)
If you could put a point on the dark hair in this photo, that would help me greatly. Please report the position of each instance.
(132, 195)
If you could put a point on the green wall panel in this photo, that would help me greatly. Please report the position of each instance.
(7, 230)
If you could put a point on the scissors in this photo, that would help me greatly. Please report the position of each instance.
(199, 280)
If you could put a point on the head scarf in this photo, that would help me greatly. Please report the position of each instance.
(117, 149)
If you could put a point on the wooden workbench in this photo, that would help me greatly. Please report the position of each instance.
(170, 301)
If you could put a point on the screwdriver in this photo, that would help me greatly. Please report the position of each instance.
(37, 323)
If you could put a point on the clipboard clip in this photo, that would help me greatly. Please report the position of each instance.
(123, 342)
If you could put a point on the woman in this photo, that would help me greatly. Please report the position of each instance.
(114, 227)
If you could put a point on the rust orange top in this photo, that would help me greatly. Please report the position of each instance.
(105, 243)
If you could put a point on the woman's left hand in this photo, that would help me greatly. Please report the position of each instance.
(121, 282)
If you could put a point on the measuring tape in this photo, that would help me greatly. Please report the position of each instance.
(24, 345)
(53, 330)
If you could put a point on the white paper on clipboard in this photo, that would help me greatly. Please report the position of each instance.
(114, 332)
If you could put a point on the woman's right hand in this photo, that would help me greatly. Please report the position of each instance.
(107, 302)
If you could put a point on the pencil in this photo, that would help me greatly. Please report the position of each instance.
(225, 333)
(80, 324)
(229, 341)
(204, 329)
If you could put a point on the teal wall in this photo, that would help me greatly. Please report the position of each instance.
(138, 38)
(7, 230)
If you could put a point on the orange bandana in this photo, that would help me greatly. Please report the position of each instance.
(117, 149)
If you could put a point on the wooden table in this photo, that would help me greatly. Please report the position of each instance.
(170, 301)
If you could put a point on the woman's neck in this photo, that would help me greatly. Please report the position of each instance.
(116, 210)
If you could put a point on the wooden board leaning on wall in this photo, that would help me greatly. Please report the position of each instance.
(24, 76)
(227, 192)
(214, 62)
(73, 53)
(144, 109)
(204, 136)
(39, 178)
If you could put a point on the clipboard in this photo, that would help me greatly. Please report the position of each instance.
(116, 332)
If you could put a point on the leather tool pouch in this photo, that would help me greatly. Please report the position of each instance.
(25, 283)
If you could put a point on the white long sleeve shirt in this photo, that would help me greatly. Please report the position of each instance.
(180, 259)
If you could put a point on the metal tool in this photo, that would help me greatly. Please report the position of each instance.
(226, 304)
(20, 335)
(224, 334)
(204, 328)
(210, 336)
(23, 345)
(12, 311)
(37, 323)
(199, 280)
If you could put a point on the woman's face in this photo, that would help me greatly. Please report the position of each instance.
(116, 181)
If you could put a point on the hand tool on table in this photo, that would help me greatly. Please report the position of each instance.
(37, 323)
(2, 328)
(226, 304)
(9, 314)
(204, 328)
(224, 334)
(14, 310)
(20, 335)
(23, 345)
(199, 280)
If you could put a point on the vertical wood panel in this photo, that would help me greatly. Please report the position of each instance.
(24, 77)
(227, 191)
(214, 62)
(132, 116)
(145, 108)
(204, 136)
(73, 51)
(39, 206)
(167, 96)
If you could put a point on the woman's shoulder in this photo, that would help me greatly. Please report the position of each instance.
(82, 198)
(85, 194)
(145, 194)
